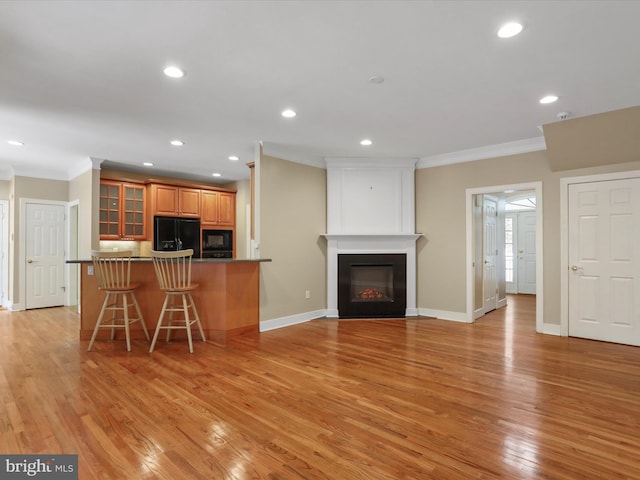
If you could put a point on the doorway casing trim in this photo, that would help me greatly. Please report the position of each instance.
(470, 192)
(72, 272)
(564, 234)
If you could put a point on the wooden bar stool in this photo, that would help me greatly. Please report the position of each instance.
(113, 272)
(173, 270)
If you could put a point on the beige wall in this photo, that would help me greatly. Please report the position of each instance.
(440, 216)
(81, 189)
(243, 201)
(292, 218)
(602, 139)
(5, 189)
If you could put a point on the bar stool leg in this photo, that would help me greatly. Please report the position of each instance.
(197, 317)
(98, 322)
(171, 309)
(160, 318)
(185, 307)
(114, 308)
(125, 312)
(134, 300)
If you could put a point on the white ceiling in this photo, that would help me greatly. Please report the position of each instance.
(82, 80)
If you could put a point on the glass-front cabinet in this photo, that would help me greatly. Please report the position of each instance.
(122, 211)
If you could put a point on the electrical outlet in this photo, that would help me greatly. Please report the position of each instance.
(307, 294)
(89, 269)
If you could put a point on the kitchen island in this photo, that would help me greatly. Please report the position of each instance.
(227, 297)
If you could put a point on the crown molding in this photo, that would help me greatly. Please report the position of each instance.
(481, 153)
(7, 173)
(356, 162)
(82, 167)
(39, 172)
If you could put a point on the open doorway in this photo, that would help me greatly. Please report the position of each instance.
(487, 248)
(520, 242)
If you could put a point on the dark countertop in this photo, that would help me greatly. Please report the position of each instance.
(195, 260)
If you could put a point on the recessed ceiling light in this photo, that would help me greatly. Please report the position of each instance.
(173, 72)
(288, 113)
(148, 164)
(548, 99)
(15, 143)
(366, 142)
(177, 143)
(217, 174)
(376, 80)
(510, 30)
(233, 158)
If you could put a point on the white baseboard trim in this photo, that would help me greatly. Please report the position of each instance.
(551, 329)
(332, 313)
(443, 315)
(502, 303)
(290, 320)
(273, 324)
(15, 307)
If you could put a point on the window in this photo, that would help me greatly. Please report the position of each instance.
(508, 249)
(521, 203)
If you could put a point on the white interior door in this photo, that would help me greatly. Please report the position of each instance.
(604, 260)
(490, 220)
(527, 252)
(44, 269)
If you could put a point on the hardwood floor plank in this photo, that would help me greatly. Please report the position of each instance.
(356, 399)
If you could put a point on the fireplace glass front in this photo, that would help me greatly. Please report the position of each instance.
(372, 283)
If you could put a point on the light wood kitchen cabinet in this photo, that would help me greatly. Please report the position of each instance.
(174, 201)
(218, 208)
(122, 211)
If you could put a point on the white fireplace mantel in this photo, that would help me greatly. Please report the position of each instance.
(367, 244)
(392, 237)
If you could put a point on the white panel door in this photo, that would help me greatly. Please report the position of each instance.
(490, 220)
(44, 255)
(604, 261)
(527, 252)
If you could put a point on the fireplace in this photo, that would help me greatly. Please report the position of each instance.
(371, 222)
(372, 285)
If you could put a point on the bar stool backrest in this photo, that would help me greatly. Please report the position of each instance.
(112, 269)
(173, 269)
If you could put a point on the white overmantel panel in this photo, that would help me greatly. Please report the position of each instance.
(370, 196)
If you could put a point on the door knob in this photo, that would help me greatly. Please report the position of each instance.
(29, 261)
(575, 267)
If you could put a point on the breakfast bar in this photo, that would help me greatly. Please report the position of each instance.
(227, 297)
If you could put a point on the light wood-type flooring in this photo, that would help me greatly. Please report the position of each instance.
(327, 399)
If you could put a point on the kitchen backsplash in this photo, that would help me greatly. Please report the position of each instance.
(139, 249)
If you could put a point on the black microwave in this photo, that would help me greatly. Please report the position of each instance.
(217, 243)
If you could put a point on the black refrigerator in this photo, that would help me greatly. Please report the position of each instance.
(170, 233)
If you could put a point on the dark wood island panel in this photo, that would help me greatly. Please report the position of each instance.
(227, 298)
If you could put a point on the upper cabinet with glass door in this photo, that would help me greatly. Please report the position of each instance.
(122, 211)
